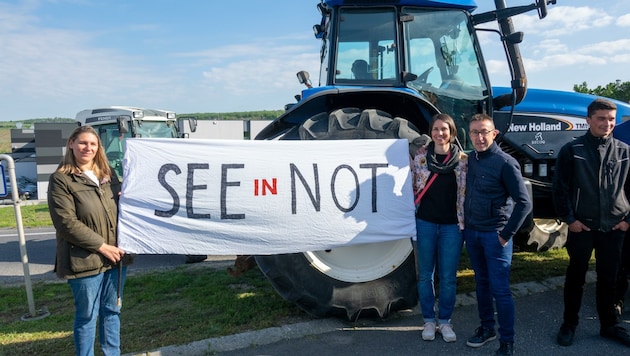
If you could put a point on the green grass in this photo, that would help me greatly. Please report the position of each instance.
(184, 305)
(36, 215)
(5, 140)
(188, 303)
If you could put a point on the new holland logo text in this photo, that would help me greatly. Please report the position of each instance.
(537, 127)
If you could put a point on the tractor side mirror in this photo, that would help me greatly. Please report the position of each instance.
(192, 122)
(304, 78)
(123, 123)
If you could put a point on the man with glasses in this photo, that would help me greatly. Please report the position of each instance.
(495, 207)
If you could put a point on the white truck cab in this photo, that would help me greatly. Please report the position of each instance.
(116, 123)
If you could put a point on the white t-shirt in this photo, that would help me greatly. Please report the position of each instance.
(92, 176)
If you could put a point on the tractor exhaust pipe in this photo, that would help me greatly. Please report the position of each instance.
(519, 79)
(510, 41)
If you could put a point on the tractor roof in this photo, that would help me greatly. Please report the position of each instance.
(469, 5)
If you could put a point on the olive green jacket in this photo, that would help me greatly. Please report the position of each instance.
(85, 217)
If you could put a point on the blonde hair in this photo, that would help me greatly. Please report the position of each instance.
(100, 165)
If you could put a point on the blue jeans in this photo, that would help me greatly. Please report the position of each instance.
(491, 263)
(438, 246)
(95, 298)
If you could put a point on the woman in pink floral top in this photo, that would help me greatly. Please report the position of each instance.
(439, 178)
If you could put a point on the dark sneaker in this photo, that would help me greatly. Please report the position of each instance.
(482, 335)
(506, 349)
(616, 332)
(565, 335)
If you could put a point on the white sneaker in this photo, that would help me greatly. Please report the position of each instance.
(447, 333)
(428, 332)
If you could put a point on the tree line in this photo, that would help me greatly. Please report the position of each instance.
(617, 90)
(245, 115)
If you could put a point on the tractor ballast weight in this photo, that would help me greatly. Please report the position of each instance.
(386, 68)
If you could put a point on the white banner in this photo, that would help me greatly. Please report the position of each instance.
(227, 197)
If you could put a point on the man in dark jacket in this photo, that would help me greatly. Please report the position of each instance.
(588, 194)
(495, 207)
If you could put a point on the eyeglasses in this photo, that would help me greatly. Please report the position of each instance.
(482, 132)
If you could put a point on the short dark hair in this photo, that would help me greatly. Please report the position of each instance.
(600, 104)
(482, 117)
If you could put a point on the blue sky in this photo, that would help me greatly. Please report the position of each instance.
(58, 57)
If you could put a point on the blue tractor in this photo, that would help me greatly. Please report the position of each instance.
(386, 68)
(533, 132)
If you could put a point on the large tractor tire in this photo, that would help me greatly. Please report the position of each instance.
(541, 235)
(547, 234)
(369, 280)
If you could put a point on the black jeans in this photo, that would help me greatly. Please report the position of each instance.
(580, 246)
(624, 269)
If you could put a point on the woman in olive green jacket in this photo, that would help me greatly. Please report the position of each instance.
(83, 198)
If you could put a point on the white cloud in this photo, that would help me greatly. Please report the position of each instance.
(623, 58)
(52, 69)
(257, 75)
(563, 20)
(563, 61)
(547, 63)
(50, 64)
(42, 65)
(623, 21)
(496, 67)
(549, 46)
(606, 48)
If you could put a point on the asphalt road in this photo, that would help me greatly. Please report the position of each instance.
(538, 317)
(40, 248)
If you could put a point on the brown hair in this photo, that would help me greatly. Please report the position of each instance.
(100, 165)
(600, 104)
(482, 117)
(447, 120)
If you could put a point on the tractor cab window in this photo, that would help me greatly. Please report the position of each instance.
(442, 51)
(365, 46)
(113, 141)
(113, 145)
(155, 129)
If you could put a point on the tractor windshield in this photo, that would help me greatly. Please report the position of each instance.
(366, 50)
(113, 140)
(388, 46)
(155, 129)
(440, 49)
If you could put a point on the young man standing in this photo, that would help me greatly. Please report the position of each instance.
(495, 207)
(589, 195)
